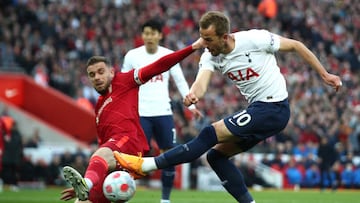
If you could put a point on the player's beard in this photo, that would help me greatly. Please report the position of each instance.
(218, 49)
(104, 90)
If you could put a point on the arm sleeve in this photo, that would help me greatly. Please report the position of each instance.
(265, 40)
(127, 63)
(179, 79)
(163, 64)
(180, 82)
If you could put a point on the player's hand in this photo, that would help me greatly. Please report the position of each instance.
(334, 81)
(198, 44)
(190, 99)
(197, 114)
(67, 194)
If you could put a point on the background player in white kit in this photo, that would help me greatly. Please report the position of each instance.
(156, 116)
(247, 58)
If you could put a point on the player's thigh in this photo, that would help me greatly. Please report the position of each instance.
(228, 149)
(164, 132)
(259, 120)
(147, 125)
(232, 144)
(107, 154)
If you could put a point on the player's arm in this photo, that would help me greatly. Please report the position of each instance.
(199, 87)
(127, 65)
(166, 62)
(179, 79)
(291, 45)
(183, 87)
(180, 82)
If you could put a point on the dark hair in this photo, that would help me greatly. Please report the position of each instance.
(96, 59)
(219, 20)
(153, 24)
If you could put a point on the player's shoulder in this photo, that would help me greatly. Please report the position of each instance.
(164, 50)
(136, 51)
(250, 33)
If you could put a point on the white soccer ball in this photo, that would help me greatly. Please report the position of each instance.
(119, 186)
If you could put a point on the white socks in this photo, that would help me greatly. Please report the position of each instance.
(149, 165)
(88, 183)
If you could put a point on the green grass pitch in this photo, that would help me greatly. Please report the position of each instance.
(51, 195)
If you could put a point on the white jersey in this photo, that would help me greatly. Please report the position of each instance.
(251, 66)
(154, 97)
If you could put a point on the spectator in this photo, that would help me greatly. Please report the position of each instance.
(27, 169)
(66, 158)
(83, 101)
(312, 177)
(3, 135)
(347, 176)
(41, 75)
(13, 154)
(252, 179)
(293, 174)
(356, 179)
(277, 162)
(268, 8)
(40, 170)
(54, 176)
(34, 140)
(327, 157)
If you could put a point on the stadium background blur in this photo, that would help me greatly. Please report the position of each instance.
(51, 40)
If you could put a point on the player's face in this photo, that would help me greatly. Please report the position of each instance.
(151, 39)
(100, 76)
(214, 43)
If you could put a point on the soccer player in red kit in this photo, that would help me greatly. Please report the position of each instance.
(117, 121)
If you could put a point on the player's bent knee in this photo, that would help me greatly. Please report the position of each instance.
(213, 155)
(205, 132)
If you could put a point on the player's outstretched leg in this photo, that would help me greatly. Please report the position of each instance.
(131, 163)
(76, 180)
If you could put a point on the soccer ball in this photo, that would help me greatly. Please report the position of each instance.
(119, 186)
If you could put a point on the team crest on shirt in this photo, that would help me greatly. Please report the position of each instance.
(106, 102)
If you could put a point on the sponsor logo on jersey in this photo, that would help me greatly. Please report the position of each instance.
(241, 75)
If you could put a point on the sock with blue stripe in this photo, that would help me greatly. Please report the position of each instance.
(230, 176)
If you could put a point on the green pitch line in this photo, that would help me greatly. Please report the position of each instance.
(52, 195)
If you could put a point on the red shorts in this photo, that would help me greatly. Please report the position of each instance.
(121, 144)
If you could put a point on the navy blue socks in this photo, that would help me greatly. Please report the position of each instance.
(190, 151)
(167, 180)
(230, 176)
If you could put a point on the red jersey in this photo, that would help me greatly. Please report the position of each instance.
(117, 113)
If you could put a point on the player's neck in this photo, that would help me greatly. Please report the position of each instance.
(229, 46)
(151, 50)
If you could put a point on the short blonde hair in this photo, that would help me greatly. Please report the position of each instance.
(96, 59)
(218, 20)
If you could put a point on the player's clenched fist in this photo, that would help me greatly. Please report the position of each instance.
(190, 99)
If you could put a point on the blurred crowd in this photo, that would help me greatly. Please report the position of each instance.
(51, 40)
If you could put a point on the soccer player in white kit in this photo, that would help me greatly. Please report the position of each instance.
(246, 58)
(155, 111)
